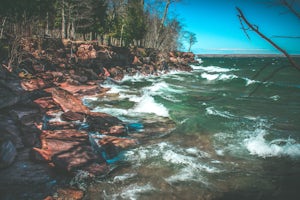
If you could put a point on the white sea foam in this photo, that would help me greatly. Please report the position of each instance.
(209, 77)
(258, 145)
(124, 177)
(227, 77)
(249, 81)
(275, 97)
(188, 161)
(222, 77)
(131, 192)
(212, 69)
(147, 104)
(213, 111)
(111, 111)
(160, 88)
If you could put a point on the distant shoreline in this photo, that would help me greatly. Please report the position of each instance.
(242, 55)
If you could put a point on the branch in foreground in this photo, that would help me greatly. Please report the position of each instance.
(255, 29)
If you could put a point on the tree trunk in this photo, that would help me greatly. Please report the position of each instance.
(63, 20)
(2, 27)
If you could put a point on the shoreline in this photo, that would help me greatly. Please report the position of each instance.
(47, 127)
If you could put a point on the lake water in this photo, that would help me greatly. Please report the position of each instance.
(237, 133)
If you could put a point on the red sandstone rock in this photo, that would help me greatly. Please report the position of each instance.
(33, 84)
(117, 130)
(46, 103)
(72, 116)
(69, 150)
(82, 89)
(67, 194)
(67, 101)
(113, 145)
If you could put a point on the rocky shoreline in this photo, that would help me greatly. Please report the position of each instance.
(49, 139)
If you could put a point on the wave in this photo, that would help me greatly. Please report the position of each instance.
(213, 111)
(188, 161)
(258, 145)
(132, 192)
(145, 104)
(213, 69)
(219, 77)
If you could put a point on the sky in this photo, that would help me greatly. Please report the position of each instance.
(218, 28)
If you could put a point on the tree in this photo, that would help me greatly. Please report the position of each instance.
(190, 38)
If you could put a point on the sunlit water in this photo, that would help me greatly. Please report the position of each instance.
(226, 144)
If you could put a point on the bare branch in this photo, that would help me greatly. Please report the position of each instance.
(243, 28)
(255, 29)
(267, 78)
(290, 7)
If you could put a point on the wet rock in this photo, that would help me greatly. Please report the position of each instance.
(82, 90)
(72, 116)
(59, 125)
(118, 130)
(68, 150)
(81, 79)
(101, 121)
(68, 193)
(46, 103)
(116, 73)
(8, 153)
(113, 145)
(67, 101)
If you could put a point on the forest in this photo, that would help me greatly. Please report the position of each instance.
(148, 24)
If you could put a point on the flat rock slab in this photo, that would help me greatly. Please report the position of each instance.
(82, 90)
(67, 101)
(69, 150)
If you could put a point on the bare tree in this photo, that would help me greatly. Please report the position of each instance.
(190, 38)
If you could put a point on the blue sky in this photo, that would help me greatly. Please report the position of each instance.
(218, 29)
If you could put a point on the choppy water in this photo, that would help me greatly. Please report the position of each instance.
(226, 145)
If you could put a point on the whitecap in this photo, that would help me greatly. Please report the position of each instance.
(213, 111)
(124, 177)
(209, 77)
(249, 81)
(275, 97)
(147, 104)
(227, 77)
(216, 69)
(258, 145)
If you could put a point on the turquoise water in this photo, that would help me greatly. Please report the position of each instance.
(237, 133)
